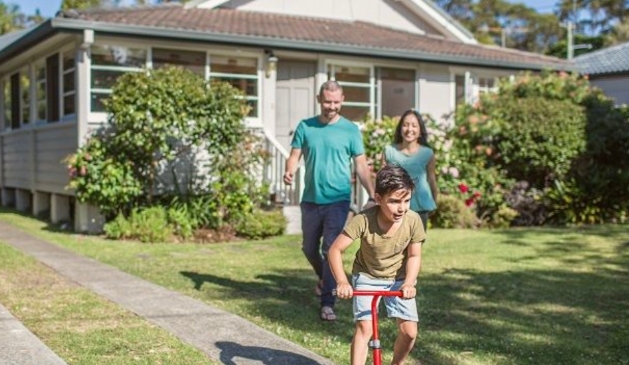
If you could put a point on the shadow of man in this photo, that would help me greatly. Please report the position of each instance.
(262, 355)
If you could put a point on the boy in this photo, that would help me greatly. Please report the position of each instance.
(389, 258)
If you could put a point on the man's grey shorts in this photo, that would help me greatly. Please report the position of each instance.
(397, 307)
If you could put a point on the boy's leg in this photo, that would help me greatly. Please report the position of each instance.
(312, 229)
(360, 342)
(407, 332)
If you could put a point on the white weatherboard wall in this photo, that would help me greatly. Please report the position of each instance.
(435, 90)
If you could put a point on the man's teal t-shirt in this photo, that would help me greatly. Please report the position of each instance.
(328, 150)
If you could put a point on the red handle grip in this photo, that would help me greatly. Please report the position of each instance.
(380, 293)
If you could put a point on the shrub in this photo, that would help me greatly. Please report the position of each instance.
(453, 213)
(261, 224)
(146, 225)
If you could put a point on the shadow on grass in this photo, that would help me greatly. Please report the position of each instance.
(574, 314)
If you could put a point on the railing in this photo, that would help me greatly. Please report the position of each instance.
(274, 174)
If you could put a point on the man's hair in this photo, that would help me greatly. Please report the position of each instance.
(392, 177)
(330, 85)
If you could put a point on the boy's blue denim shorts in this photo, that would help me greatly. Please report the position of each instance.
(405, 309)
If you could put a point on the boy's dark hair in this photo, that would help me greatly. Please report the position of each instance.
(392, 177)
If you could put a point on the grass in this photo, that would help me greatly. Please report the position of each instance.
(510, 297)
(79, 326)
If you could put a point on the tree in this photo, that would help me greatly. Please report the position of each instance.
(11, 19)
(80, 4)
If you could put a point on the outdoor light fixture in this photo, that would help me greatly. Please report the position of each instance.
(271, 63)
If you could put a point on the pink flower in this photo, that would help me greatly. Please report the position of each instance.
(454, 172)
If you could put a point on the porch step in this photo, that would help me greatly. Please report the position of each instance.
(293, 216)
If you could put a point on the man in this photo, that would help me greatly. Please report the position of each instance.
(328, 143)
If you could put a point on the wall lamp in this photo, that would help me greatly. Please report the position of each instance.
(271, 63)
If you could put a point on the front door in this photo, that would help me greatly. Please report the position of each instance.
(295, 97)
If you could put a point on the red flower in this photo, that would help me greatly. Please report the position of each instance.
(469, 202)
(463, 188)
(476, 195)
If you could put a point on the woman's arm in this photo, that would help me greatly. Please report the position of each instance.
(432, 177)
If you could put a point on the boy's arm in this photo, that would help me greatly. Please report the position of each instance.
(413, 265)
(340, 244)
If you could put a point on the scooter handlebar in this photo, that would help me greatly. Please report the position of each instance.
(379, 293)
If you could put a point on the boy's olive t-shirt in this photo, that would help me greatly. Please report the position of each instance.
(328, 150)
(381, 256)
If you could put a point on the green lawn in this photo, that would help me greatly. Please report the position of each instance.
(520, 296)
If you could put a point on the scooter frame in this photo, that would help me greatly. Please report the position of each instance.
(374, 344)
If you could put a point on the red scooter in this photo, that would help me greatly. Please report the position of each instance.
(375, 341)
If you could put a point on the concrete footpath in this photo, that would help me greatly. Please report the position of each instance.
(224, 337)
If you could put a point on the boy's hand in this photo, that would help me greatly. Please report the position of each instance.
(344, 290)
(408, 291)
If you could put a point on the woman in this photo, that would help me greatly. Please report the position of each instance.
(410, 150)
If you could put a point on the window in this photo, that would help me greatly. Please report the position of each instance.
(191, 60)
(6, 89)
(15, 100)
(69, 104)
(40, 95)
(486, 84)
(25, 104)
(241, 73)
(459, 82)
(52, 77)
(109, 63)
(357, 86)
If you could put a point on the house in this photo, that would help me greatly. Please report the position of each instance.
(608, 69)
(390, 55)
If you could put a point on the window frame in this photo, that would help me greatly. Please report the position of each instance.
(330, 71)
(249, 120)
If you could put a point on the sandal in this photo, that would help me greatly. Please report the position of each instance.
(327, 313)
(319, 288)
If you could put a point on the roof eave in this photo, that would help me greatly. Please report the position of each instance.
(34, 36)
(269, 42)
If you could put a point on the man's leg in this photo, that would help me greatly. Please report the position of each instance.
(312, 229)
(333, 223)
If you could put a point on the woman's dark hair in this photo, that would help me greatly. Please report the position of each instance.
(423, 133)
(392, 177)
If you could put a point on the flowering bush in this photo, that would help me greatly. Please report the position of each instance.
(377, 133)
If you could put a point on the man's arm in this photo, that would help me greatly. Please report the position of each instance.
(364, 174)
(292, 163)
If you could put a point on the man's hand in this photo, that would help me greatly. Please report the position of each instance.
(288, 178)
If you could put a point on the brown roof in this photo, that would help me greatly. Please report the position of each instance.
(305, 29)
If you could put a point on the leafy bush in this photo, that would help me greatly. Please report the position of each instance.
(146, 225)
(261, 224)
(453, 213)
(172, 135)
(377, 134)
(539, 138)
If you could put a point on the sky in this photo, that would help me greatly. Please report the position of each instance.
(48, 8)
